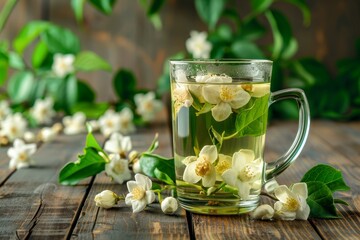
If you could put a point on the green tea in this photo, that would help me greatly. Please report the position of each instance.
(218, 135)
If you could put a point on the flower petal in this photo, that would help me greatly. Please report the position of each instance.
(243, 189)
(189, 173)
(300, 189)
(210, 151)
(230, 177)
(263, 212)
(126, 144)
(304, 212)
(150, 196)
(128, 198)
(143, 181)
(221, 111)
(241, 99)
(138, 205)
(283, 193)
(209, 179)
(242, 158)
(130, 184)
(211, 94)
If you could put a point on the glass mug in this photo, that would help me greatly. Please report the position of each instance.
(219, 120)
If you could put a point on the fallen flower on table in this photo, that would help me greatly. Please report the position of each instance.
(74, 124)
(20, 154)
(4, 109)
(140, 193)
(13, 126)
(118, 168)
(106, 199)
(47, 134)
(169, 205)
(43, 111)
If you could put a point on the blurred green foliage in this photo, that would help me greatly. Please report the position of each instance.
(235, 36)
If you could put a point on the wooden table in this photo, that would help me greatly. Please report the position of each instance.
(33, 204)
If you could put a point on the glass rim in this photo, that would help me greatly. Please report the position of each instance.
(221, 60)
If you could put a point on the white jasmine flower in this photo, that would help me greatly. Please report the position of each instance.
(147, 106)
(118, 168)
(63, 64)
(118, 144)
(292, 202)
(109, 122)
(74, 124)
(224, 97)
(14, 126)
(181, 97)
(263, 212)
(57, 127)
(140, 193)
(169, 205)
(47, 134)
(198, 45)
(20, 154)
(126, 121)
(29, 137)
(245, 172)
(106, 199)
(43, 111)
(4, 109)
(202, 168)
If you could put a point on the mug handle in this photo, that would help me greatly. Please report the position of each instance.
(275, 168)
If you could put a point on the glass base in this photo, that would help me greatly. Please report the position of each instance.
(222, 207)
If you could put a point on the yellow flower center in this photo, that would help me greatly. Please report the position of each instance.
(23, 157)
(138, 193)
(118, 168)
(13, 130)
(109, 123)
(291, 204)
(222, 166)
(226, 93)
(202, 167)
(247, 87)
(148, 106)
(247, 173)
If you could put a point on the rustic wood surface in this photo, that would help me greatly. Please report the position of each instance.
(34, 206)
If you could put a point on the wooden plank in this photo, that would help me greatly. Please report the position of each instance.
(5, 172)
(328, 143)
(242, 227)
(120, 222)
(43, 207)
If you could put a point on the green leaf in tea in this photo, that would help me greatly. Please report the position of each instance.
(150, 162)
(252, 118)
(89, 164)
(327, 175)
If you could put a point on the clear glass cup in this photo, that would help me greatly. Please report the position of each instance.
(219, 120)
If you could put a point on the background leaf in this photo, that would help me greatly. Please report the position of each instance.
(61, 40)
(39, 54)
(210, 11)
(124, 84)
(78, 9)
(90, 61)
(20, 86)
(105, 6)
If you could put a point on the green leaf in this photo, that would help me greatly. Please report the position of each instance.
(61, 40)
(304, 9)
(154, 144)
(310, 71)
(320, 201)
(124, 84)
(150, 162)
(246, 49)
(105, 6)
(4, 66)
(20, 86)
(78, 8)
(91, 110)
(163, 177)
(205, 108)
(210, 11)
(251, 119)
(259, 6)
(71, 91)
(155, 7)
(84, 92)
(327, 175)
(89, 164)
(39, 54)
(28, 34)
(89, 61)
(251, 30)
(282, 34)
(339, 201)
(91, 142)
(15, 61)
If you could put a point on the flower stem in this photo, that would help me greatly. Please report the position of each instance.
(6, 11)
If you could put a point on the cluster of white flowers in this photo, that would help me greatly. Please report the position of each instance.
(223, 98)
(147, 106)
(198, 45)
(291, 204)
(63, 64)
(140, 195)
(242, 170)
(113, 121)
